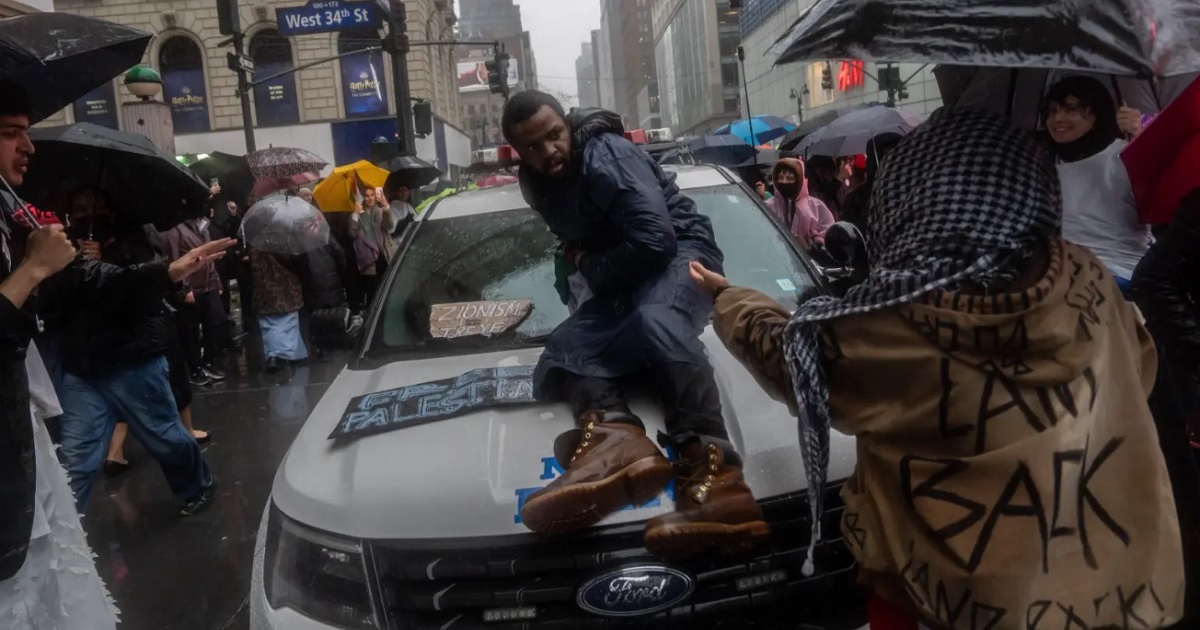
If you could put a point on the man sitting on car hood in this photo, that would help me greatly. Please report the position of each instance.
(629, 233)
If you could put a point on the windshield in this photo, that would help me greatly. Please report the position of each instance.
(511, 256)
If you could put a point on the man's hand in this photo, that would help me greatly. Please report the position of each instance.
(195, 260)
(710, 281)
(90, 249)
(1129, 120)
(232, 207)
(48, 252)
(573, 255)
(190, 298)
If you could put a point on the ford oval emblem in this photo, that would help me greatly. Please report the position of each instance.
(635, 591)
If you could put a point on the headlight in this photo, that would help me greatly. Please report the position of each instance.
(317, 574)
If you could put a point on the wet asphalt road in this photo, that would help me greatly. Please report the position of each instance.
(168, 573)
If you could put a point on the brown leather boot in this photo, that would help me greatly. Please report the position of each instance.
(714, 509)
(614, 465)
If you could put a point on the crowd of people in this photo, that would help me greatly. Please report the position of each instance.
(1020, 340)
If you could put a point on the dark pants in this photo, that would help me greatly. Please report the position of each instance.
(1173, 402)
(688, 392)
(203, 329)
(141, 395)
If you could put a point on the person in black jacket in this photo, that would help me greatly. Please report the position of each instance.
(1166, 287)
(114, 345)
(630, 234)
(321, 272)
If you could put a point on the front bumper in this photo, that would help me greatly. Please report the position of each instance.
(450, 584)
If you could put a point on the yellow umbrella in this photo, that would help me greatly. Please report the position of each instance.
(336, 193)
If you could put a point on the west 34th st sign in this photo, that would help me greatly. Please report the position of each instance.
(325, 16)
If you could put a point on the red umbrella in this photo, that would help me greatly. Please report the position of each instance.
(1162, 160)
(496, 180)
(268, 185)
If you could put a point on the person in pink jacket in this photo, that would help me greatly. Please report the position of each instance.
(806, 217)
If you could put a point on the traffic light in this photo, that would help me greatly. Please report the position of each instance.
(228, 20)
(827, 77)
(498, 74)
(423, 118)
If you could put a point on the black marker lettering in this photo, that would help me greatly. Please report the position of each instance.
(1021, 478)
(948, 432)
(928, 490)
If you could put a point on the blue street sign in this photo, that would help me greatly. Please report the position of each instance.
(326, 16)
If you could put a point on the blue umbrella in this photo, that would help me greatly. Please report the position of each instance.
(765, 129)
(726, 150)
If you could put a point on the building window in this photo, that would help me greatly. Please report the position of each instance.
(98, 107)
(275, 102)
(182, 66)
(363, 83)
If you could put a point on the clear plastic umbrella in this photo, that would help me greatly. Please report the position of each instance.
(283, 224)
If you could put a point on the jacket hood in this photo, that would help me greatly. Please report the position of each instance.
(589, 122)
(789, 164)
(1038, 344)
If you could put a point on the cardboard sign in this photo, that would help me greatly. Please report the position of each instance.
(473, 319)
(438, 400)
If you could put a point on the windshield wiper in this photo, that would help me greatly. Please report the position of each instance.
(533, 340)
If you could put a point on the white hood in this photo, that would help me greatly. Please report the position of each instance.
(463, 477)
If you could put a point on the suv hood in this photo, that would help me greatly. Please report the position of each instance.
(467, 476)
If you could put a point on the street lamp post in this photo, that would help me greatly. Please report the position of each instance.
(799, 98)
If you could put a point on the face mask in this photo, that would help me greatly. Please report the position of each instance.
(789, 190)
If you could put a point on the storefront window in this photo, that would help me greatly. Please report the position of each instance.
(182, 69)
(364, 86)
(275, 101)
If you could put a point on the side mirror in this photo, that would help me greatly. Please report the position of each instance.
(846, 245)
(336, 327)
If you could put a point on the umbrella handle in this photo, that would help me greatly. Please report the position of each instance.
(22, 207)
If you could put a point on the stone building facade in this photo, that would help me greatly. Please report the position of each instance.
(314, 108)
(9, 8)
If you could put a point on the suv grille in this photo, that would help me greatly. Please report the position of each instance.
(448, 584)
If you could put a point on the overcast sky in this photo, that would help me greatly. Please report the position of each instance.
(558, 27)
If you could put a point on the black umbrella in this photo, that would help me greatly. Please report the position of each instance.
(726, 150)
(816, 122)
(849, 134)
(232, 172)
(144, 184)
(1017, 93)
(59, 57)
(1141, 38)
(409, 171)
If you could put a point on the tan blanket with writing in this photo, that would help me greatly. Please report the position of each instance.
(1009, 474)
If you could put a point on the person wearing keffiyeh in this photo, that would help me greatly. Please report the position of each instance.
(1008, 470)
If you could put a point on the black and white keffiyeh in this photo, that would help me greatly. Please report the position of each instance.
(962, 199)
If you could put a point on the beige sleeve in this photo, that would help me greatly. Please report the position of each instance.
(751, 325)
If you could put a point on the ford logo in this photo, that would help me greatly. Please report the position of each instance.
(635, 591)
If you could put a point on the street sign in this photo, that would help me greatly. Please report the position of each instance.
(239, 62)
(327, 16)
